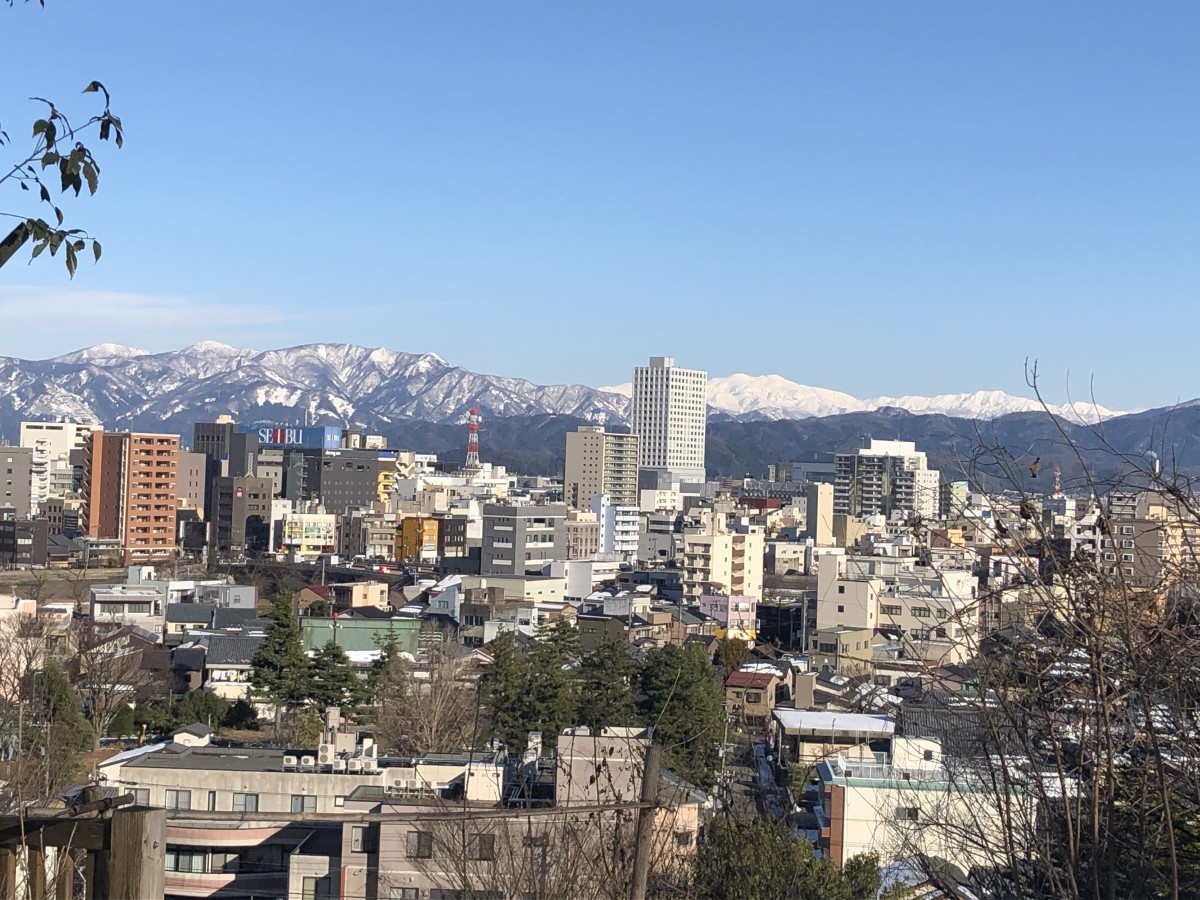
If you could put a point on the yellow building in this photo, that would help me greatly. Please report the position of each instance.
(417, 539)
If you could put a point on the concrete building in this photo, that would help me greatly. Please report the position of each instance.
(341, 479)
(23, 542)
(54, 474)
(242, 515)
(130, 492)
(737, 615)
(193, 480)
(670, 411)
(16, 479)
(517, 539)
(618, 528)
(583, 534)
(717, 559)
(818, 514)
(600, 462)
(308, 535)
(417, 539)
(885, 477)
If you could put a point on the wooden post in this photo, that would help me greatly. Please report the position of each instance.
(64, 880)
(137, 853)
(644, 835)
(8, 873)
(95, 873)
(35, 866)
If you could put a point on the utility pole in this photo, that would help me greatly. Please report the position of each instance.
(645, 824)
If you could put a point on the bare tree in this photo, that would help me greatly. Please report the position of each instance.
(427, 706)
(110, 673)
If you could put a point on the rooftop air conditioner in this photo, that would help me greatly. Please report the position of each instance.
(339, 765)
(325, 754)
(289, 762)
(355, 765)
(307, 761)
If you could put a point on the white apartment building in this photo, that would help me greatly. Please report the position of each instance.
(52, 443)
(669, 415)
(600, 462)
(720, 560)
(619, 527)
(884, 477)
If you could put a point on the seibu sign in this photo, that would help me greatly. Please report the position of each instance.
(316, 437)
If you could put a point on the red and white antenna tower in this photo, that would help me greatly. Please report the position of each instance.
(473, 439)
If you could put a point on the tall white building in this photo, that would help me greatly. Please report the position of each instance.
(53, 475)
(669, 415)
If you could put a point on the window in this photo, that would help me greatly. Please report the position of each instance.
(178, 799)
(315, 888)
(890, 610)
(907, 813)
(921, 612)
(363, 839)
(302, 803)
(481, 846)
(841, 589)
(940, 613)
(184, 860)
(245, 802)
(1126, 545)
(399, 893)
(420, 845)
(753, 697)
(841, 608)
(536, 840)
(1126, 529)
(683, 838)
(141, 796)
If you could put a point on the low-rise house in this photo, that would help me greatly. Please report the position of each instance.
(227, 665)
(808, 736)
(750, 696)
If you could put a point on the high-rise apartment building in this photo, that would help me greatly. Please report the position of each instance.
(130, 484)
(669, 415)
(54, 443)
(16, 478)
(883, 478)
(600, 462)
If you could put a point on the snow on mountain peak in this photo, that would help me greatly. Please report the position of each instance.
(101, 351)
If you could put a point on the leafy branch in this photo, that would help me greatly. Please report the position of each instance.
(57, 150)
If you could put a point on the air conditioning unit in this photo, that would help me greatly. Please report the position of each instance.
(289, 762)
(413, 785)
(339, 765)
(354, 765)
(307, 761)
(325, 754)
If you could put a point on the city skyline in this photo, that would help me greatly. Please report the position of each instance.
(1004, 180)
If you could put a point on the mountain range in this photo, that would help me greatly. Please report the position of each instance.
(377, 388)
(421, 401)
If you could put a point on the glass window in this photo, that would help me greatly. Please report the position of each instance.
(404, 893)
(141, 796)
(185, 860)
(178, 799)
(245, 802)
(482, 846)
(303, 803)
(420, 845)
(921, 612)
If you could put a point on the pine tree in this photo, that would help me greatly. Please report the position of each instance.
(280, 668)
(683, 703)
(502, 689)
(332, 682)
(606, 687)
(548, 701)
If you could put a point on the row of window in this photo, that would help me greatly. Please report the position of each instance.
(242, 802)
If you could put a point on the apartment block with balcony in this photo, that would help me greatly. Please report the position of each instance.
(718, 560)
(885, 477)
(130, 492)
(600, 462)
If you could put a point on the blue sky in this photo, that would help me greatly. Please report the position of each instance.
(882, 198)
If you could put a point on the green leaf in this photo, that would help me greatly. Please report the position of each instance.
(39, 248)
(40, 126)
(89, 172)
(78, 245)
(45, 193)
(72, 262)
(49, 159)
(58, 213)
(93, 87)
(96, 250)
(120, 140)
(104, 126)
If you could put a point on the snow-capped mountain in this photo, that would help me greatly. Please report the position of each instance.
(377, 387)
(757, 397)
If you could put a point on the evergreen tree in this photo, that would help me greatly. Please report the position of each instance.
(53, 736)
(606, 687)
(199, 706)
(280, 668)
(753, 858)
(683, 703)
(332, 682)
(502, 689)
(547, 703)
